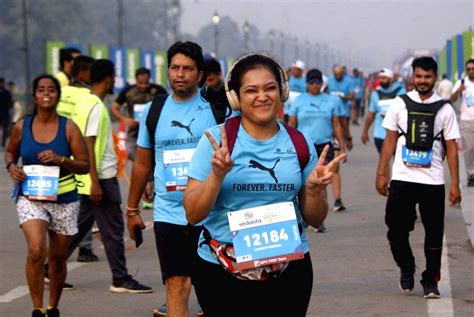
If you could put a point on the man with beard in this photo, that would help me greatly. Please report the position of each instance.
(134, 97)
(183, 119)
(341, 86)
(416, 125)
(100, 193)
(464, 88)
(380, 101)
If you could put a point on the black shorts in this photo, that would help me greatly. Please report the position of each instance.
(329, 155)
(177, 248)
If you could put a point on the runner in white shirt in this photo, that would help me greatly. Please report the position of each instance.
(464, 88)
(417, 175)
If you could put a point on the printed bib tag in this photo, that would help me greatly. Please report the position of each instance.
(384, 104)
(41, 182)
(176, 164)
(265, 235)
(337, 93)
(414, 158)
(137, 111)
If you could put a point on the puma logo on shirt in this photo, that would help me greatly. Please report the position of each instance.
(178, 124)
(271, 171)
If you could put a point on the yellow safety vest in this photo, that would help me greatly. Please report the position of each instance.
(77, 104)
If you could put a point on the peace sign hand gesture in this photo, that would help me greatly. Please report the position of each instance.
(321, 175)
(221, 161)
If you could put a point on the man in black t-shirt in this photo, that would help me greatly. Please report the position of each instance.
(134, 98)
(6, 103)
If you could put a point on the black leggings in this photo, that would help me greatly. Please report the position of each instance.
(400, 216)
(221, 294)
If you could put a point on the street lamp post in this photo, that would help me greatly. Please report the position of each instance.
(215, 20)
(308, 51)
(282, 39)
(271, 36)
(120, 23)
(246, 29)
(26, 49)
(296, 48)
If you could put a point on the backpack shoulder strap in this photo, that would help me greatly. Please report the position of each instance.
(231, 129)
(301, 146)
(154, 115)
(406, 100)
(298, 139)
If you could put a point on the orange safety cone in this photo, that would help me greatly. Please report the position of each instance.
(122, 134)
(120, 139)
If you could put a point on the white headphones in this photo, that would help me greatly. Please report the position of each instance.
(233, 97)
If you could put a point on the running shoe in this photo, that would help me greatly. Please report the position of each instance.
(321, 228)
(37, 313)
(87, 255)
(407, 282)
(52, 312)
(338, 206)
(66, 286)
(430, 290)
(161, 311)
(130, 286)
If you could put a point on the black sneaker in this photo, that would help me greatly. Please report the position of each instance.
(338, 206)
(407, 282)
(66, 286)
(430, 290)
(86, 255)
(470, 182)
(130, 286)
(38, 313)
(52, 312)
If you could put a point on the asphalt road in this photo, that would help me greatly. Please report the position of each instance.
(354, 274)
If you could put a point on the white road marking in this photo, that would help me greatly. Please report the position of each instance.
(444, 305)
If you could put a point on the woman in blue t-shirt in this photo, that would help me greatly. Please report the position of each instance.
(47, 198)
(258, 162)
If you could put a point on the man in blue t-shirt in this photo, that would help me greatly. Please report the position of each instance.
(343, 87)
(183, 120)
(359, 88)
(296, 83)
(317, 115)
(380, 101)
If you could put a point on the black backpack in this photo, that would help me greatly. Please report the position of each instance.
(420, 124)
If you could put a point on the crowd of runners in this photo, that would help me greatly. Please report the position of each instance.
(235, 168)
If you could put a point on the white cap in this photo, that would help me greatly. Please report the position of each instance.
(386, 72)
(298, 64)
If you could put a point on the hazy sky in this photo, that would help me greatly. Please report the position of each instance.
(376, 32)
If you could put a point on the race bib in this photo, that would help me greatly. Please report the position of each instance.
(470, 99)
(137, 111)
(384, 104)
(265, 235)
(176, 164)
(337, 93)
(41, 182)
(414, 158)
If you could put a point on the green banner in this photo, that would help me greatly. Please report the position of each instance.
(454, 58)
(442, 62)
(160, 68)
(132, 64)
(52, 56)
(99, 51)
(468, 39)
